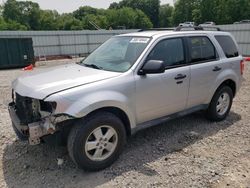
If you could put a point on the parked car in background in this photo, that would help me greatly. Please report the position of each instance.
(187, 24)
(207, 24)
(243, 22)
(132, 81)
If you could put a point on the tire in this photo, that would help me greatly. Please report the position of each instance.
(215, 112)
(87, 130)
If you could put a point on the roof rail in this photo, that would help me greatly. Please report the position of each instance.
(157, 29)
(184, 28)
(198, 28)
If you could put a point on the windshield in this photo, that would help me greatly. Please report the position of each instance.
(117, 54)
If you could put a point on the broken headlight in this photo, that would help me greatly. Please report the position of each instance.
(47, 106)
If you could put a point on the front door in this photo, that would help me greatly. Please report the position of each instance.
(158, 95)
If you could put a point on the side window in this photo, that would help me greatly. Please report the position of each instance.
(171, 51)
(228, 46)
(201, 49)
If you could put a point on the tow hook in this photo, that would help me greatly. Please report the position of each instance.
(39, 129)
(45, 127)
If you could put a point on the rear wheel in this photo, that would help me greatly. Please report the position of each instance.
(95, 142)
(221, 104)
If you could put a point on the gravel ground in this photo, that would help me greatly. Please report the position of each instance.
(186, 152)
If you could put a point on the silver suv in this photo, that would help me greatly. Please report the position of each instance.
(132, 81)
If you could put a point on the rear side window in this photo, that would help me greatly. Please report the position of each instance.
(201, 49)
(228, 46)
(171, 51)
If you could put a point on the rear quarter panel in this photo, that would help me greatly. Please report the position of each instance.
(231, 68)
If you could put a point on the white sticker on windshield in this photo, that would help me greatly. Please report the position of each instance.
(139, 40)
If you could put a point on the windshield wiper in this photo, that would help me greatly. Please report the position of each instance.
(93, 66)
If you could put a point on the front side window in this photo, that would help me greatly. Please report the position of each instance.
(228, 46)
(170, 51)
(201, 49)
(118, 54)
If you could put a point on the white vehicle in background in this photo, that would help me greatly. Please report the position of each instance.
(243, 22)
(187, 24)
(206, 24)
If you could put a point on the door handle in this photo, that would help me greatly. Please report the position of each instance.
(216, 69)
(180, 76)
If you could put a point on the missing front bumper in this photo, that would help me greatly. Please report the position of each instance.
(34, 131)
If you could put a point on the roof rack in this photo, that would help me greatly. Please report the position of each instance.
(197, 28)
(157, 29)
(184, 28)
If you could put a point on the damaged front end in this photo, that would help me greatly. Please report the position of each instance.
(33, 119)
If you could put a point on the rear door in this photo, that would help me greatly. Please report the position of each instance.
(205, 68)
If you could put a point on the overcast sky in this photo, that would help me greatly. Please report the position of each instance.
(71, 5)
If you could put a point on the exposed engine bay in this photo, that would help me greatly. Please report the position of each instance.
(35, 117)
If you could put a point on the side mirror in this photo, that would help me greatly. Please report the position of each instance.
(152, 67)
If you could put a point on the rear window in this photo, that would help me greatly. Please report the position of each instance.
(201, 49)
(228, 46)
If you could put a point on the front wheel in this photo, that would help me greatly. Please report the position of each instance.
(95, 142)
(221, 104)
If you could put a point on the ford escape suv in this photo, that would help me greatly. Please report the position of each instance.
(132, 81)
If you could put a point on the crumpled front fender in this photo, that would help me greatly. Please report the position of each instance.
(91, 102)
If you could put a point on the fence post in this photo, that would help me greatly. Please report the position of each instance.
(59, 44)
(88, 43)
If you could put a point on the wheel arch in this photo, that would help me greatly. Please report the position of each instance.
(117, 112)
(226, 82)
(230, 83)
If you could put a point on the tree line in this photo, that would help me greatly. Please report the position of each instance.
(218, 11)
(129, 14)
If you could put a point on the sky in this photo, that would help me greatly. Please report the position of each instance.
(65, 6)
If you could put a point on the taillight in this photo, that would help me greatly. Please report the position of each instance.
(242, 66)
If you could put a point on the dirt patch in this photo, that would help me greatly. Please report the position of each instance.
(186, 152)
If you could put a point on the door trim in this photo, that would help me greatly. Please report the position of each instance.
(167, 118)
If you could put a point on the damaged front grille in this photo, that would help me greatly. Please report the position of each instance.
(27, 109)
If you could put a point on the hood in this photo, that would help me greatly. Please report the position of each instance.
(39, 84)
